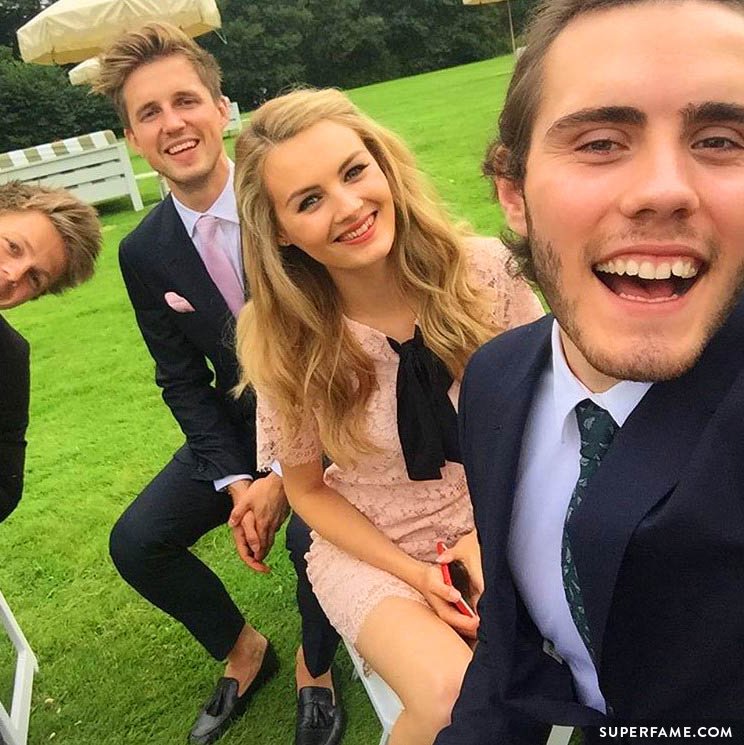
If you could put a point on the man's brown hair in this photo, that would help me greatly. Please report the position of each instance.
(506, 156)
(152, 42)
(74, 220)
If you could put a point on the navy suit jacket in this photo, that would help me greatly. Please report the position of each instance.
(14, 401)
(658, 542)
(195, 362)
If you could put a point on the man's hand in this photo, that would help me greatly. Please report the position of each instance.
(259, 508)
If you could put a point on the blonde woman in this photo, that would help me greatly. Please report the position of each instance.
(366, 305)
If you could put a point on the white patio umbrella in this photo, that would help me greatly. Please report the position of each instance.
(86, 72)
(74, 30)
(508, 6)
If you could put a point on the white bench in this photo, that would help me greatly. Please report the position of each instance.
(387, 705)
(94, 167)
(14, 726)
(235, 125)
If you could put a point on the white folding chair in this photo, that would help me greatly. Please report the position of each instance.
(386, 704)
(560, 735)
(14, 726)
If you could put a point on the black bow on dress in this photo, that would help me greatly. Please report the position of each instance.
(427, 420)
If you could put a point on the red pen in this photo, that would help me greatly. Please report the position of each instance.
(461, 605)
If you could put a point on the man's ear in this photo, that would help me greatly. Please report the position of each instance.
(132, 140)
(223, 104)
(511, 199)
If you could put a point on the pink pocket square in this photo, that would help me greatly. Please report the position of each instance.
(178, 303)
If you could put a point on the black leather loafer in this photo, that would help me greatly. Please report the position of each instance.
(226, 706)
(319, 722)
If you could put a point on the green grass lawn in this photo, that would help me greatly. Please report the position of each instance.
(113, 669)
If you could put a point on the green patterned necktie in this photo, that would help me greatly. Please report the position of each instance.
(596, 430)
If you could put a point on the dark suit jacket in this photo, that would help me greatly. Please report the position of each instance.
(14, 399)
(658, 542)
(159, 257)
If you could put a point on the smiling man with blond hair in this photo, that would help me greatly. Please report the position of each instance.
(604, 445)
(49, 242)
(183, 270)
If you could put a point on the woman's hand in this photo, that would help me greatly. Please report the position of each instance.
(441, 597)
(467, 551)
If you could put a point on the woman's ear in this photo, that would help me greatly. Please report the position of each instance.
(511, 199)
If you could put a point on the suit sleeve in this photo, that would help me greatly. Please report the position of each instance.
(14, 404)
(220, 447)
(480, 717)
(476, 718)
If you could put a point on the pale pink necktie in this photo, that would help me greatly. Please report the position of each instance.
(214, 255)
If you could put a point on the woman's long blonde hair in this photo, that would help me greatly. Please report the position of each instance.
(292, 342)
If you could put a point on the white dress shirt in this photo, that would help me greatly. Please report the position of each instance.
(225, 209)
(547, 474)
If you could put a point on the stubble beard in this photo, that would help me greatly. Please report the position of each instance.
(191, 184)
(651, 360)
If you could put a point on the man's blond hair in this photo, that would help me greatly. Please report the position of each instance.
(75, 221)
(150, 43)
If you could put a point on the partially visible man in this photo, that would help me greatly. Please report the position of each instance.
(49, 241)
(604, 447)
(183, 270)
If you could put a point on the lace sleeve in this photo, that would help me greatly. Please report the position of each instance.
(274, 444)
(513, 302)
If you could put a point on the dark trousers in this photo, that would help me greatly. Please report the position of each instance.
(150, 547)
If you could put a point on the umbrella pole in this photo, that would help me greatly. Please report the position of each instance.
(511, 28)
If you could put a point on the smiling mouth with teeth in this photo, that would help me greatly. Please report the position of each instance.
(175, 149)
(360, 231)
(649, 281)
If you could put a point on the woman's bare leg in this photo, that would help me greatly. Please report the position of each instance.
(422, 659)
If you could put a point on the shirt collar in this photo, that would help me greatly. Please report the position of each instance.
(568, 390)
(224, 207)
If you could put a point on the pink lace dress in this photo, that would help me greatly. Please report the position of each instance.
(413, 514)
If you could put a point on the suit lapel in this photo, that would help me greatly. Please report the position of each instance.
(644, 463)
(184, 266)
(498, 463)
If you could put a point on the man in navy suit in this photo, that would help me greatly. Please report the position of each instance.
(604, 445)
(183, 270)
(49, 242)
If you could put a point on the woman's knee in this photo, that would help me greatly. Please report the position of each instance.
(431, 704)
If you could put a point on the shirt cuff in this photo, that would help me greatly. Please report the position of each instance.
(225, 481)
(276, 468)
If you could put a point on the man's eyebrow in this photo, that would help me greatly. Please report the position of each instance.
(144, 106)
(599, 115)
(305, 189)
(711, 112)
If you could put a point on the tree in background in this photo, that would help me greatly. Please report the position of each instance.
(13, 14)
(430, 34)
(347, 45)
(264, 50)
(38, 104)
